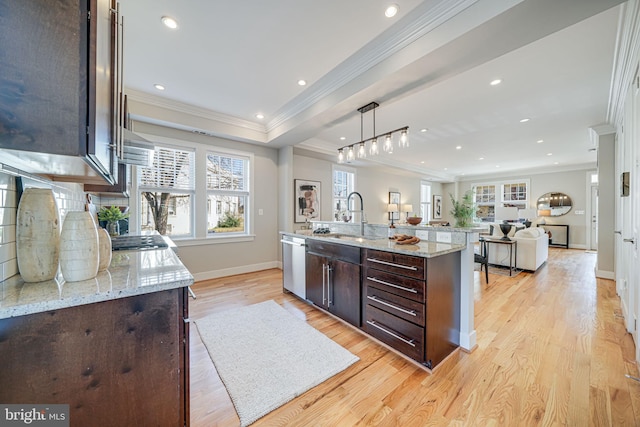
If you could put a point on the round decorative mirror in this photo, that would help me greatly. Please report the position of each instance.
(553, 204)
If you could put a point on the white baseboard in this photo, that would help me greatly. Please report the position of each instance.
(468, 341)
(214, 274)
(603, 274)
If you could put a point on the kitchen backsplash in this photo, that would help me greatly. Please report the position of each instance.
(69, 197)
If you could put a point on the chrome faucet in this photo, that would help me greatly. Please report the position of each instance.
(361, 210)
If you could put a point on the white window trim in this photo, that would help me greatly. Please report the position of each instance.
(341, 168)
(199, 216)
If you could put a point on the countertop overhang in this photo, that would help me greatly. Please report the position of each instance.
(426, 249)
(130, 273)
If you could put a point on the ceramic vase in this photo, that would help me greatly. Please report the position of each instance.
(79, 248)
(37, 235)
(104, 242)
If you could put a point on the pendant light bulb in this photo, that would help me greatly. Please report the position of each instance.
(388, 144)
(350, 153)
(340, 156)
(373, 150)
(362, 152)
(404, 140)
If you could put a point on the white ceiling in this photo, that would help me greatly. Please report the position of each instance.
(429, 67)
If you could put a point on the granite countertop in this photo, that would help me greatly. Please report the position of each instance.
(424, 249)
(130, 273)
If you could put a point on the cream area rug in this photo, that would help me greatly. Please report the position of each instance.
(265, 356)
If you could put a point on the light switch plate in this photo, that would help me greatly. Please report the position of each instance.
(579, 212)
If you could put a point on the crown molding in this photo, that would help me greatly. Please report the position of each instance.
(528, 172)
(422, 20)
(625, 62)
(213, 116)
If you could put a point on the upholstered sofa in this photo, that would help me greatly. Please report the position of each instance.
(532, 248)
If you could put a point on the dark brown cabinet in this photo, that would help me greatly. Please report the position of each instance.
(333, 279)
(412, 303)
(121, 362)
(58, 85)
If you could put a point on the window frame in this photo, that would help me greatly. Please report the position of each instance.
(199, 218)
(334, 200)
(236, 193)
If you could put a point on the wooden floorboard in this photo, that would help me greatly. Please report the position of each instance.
(552, 351)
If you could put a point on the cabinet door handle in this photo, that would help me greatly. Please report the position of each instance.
(395, 307)
(386, 331)
(324, 275)
(382, 282)
(631, 240)
(392, 264)
(329, 286)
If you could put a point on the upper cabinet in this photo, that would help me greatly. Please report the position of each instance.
(60, 88)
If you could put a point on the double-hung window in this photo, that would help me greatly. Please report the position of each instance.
(227, 193)
(343, 184)
(425, 201)
(167, 190)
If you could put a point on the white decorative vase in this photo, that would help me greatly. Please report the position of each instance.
(37, 235)
(104, 242)
(79, 249)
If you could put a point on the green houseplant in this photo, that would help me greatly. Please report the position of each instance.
(463, 209)
(112, 214)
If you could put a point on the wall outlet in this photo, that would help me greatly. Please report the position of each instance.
(443, 236)
(260, 212)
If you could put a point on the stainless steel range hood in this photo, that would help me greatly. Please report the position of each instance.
(136, 149)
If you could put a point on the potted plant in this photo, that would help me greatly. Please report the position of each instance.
(463, 210)
(112, 214)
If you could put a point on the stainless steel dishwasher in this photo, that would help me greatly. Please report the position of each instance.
(293, 259)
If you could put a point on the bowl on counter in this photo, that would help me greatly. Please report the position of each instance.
(414, 220)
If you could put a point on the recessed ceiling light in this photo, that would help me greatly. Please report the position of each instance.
(302, 82)
(524, 120)
(549, 154)
(159, 86)
(495, 82)
(424, 130)
(446, 168)
(556, 163)
(169, 22)
(260, 116)
(481, 158)
(459, 147)
(342, 138)
(497, 166)
(422, 162)
(540, 141)
(391, 10)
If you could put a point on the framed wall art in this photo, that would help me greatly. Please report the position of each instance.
(437, 206)
(307, 200)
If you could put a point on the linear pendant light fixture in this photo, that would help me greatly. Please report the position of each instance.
(349, 152)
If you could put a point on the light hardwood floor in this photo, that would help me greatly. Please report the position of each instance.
(552, 350)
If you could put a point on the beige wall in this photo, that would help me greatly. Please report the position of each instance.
(222, 259)
(572, 183)
(372, 182)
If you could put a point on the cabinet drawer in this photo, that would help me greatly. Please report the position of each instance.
(334, 250)
(398, 333)
(403, 286)
(407, 309)
(405, 265)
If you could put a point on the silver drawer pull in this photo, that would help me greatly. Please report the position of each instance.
(375, 325)
(382, 282)
(395, 307)
(406, 267)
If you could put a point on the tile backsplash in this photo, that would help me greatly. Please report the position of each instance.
(69, 197)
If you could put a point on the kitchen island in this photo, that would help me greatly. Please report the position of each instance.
(114, 348)
(406, 296)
